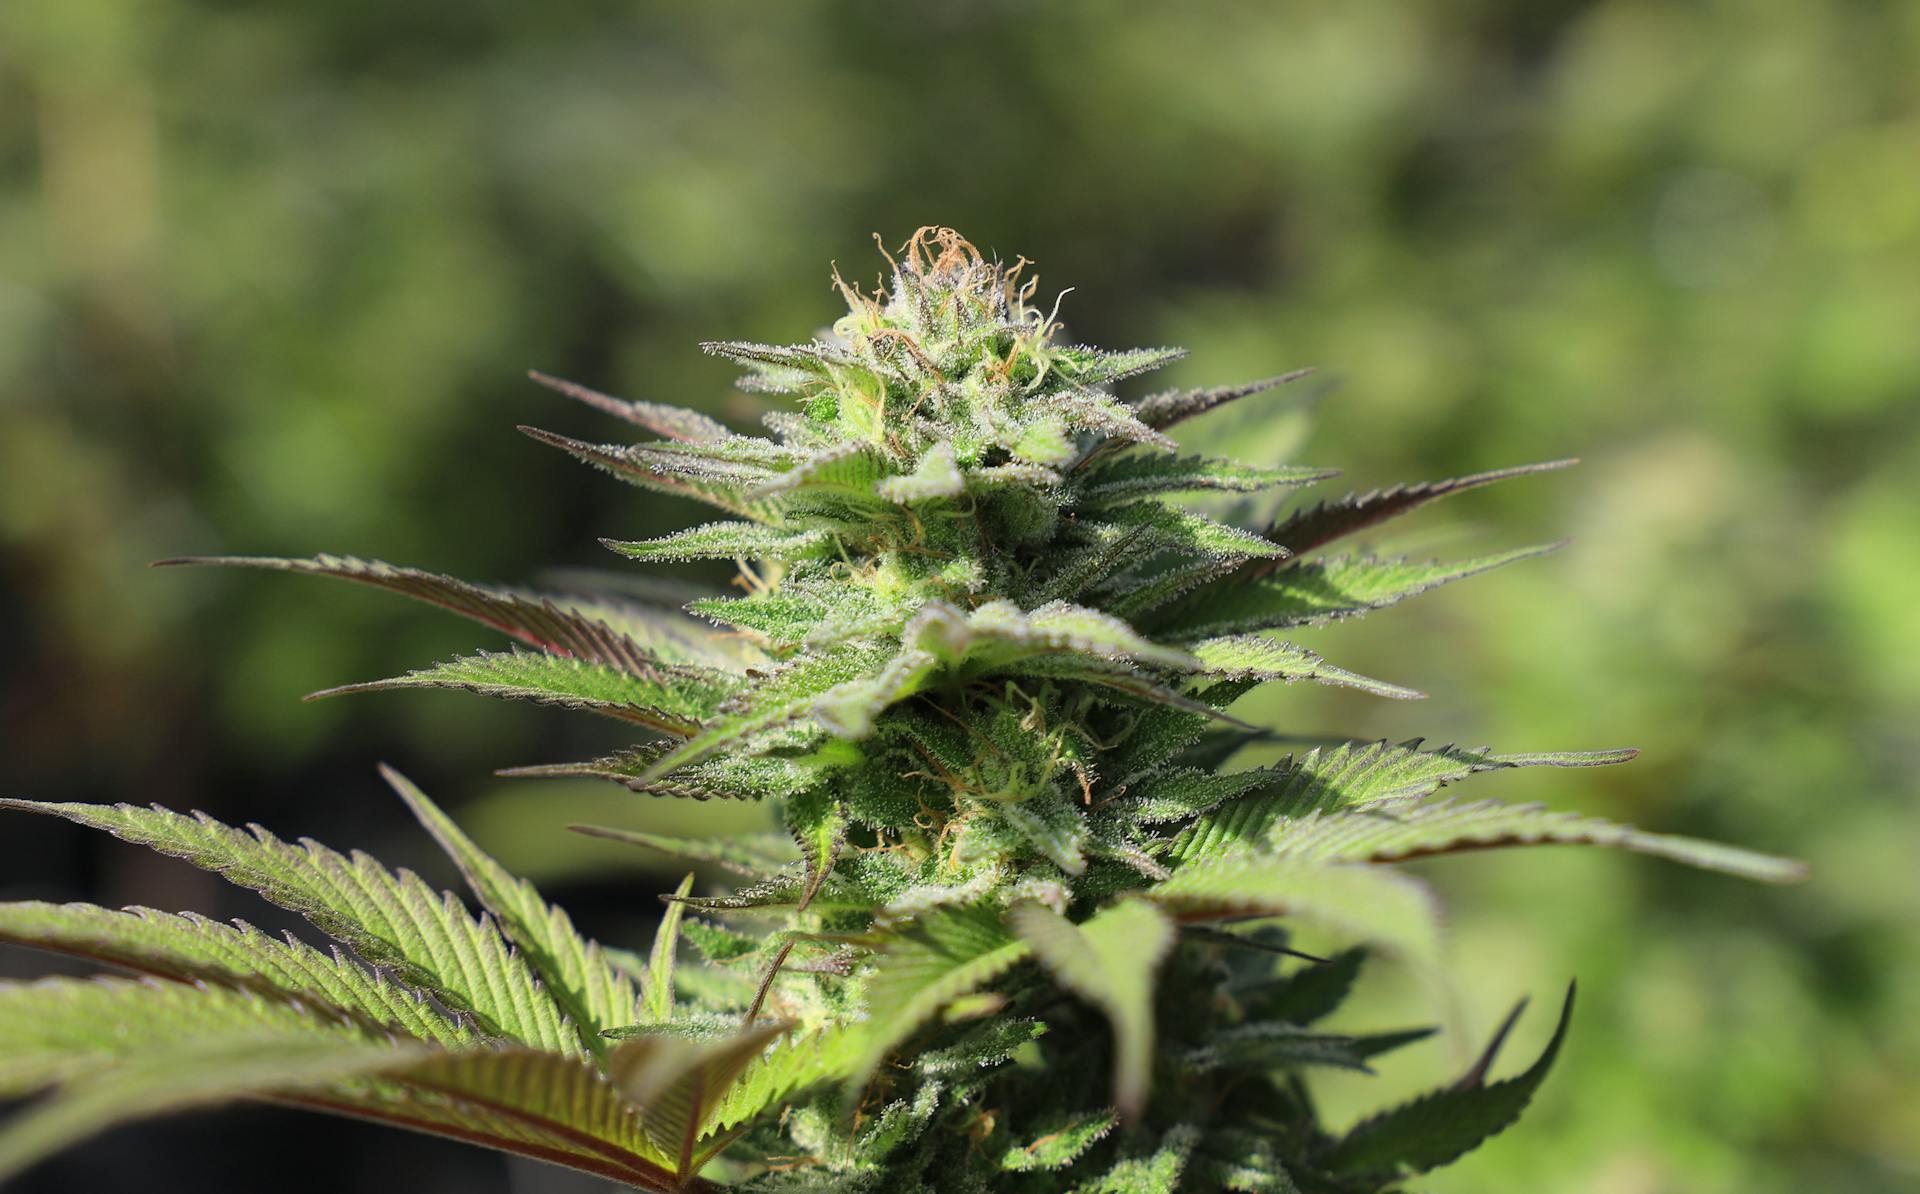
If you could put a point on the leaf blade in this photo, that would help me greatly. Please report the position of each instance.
(1371, 904)
(626, 637)
(648, 699)
(594, 994)
(1110, 960)
(190, 949)
(1446, 827)
(1433, 1130)
(924, 966)
(390, 918)
(1314, 527)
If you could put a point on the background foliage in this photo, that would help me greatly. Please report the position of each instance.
(270, 274)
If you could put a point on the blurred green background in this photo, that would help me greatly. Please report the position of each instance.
(271, 272)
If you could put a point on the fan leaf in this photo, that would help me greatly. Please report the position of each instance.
(1127, 478)
(927, 964)
(59, 1030)
(592, 992)
(1164, 410)
(727, 541)
(1256, 657)
(192, 949)
(1110, 960)
(1372, 905)
(1323, 591)
(166, 1080)
(1352, 774)
(1445, 827)
(390, 918)
(627, 637)
(1437, 1128)
(671, 705)
(674, 422)
(1316, 526)
(677, 1084)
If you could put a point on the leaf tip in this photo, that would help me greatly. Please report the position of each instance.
(551, 438)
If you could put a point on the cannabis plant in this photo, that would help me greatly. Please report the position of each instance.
(1025, 930)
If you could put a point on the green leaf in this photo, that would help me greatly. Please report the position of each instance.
(1060, 1143)
(1111, 961)
(815, 359)
(1313, 992)
(1102, 414)
(728, 541)
(805, 612)
(1239, 1160)
(541, 1104)
(778, 696)
(1127, 478)
(799, 1062)
(1061, 625)
(1256, 657)
(1095, 367)
(678, 1083)
(557, 1109)
(189, 949)
(782, 891)
(390, 919)
(1354, 773)
(982, 1045)
(817, 822)
(666, 949)
(1437, 1128)
(1108, 548)
(1163, 410)
(1156, 1172)
(715, 480)
(754, 856)
(1053, 827)
(937, 475)
(1316, 526)
(623, 767)
(997, 633)
(177, 1079)
(925, 965)
(1176, 793)
(1372, 905)
(592, 992)
(674, 422)
(1267, 1046)
(1156, 736)
(58, 1030)
(672, 705)
(627, 637)
(1323, 591)
(898, 1124)
(1043, 442)
(717, 943)
(1194, 534)
(732, 457)
(849, 471)
(1445, 827)
(724, 777)
(1137, 595)
(1018, 474)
